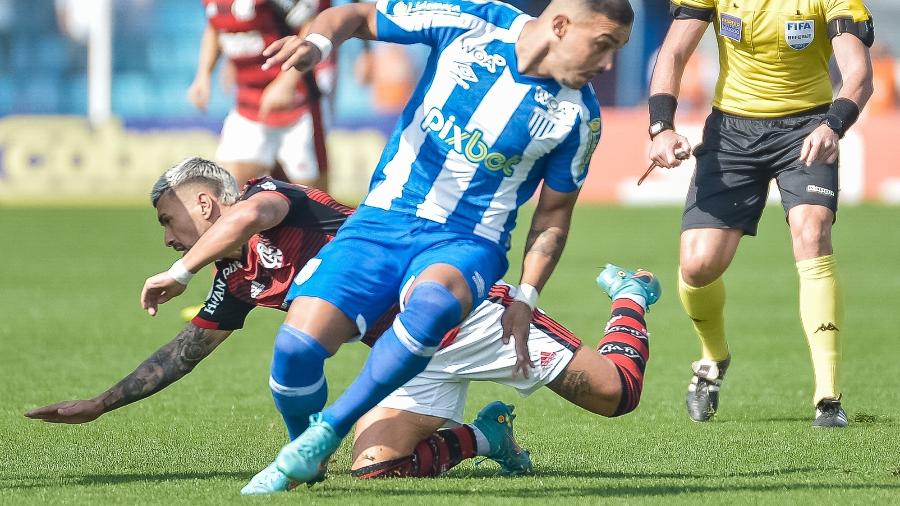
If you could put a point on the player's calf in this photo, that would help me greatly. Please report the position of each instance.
(297, 379)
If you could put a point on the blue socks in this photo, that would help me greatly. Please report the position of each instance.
(401, 353)
(298, 380)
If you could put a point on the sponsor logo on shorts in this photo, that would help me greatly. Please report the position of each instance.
(730, 27)
(547, 358)
(799, 34)
(818, 189)
(479, 283)
(268, 185)
(307, 271)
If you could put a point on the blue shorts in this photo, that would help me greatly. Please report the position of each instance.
(376, 254)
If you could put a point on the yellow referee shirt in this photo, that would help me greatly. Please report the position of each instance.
(773, 54)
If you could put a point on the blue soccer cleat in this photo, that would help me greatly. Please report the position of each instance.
(305, 459)
(495, 422)
(268, 481)
(618, 282)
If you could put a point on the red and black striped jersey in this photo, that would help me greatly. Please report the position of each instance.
(272, 258)
(245, 28)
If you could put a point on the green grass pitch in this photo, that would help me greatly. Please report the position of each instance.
(70, 326)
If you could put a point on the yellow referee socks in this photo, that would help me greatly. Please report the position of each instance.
(706, 307)
(821, 313)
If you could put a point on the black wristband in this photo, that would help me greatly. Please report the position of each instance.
(846, 111)
(662, 108)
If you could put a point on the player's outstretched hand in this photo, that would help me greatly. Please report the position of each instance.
(292, 51)
(820, 146)
(68, 412)
(158, 290)
(516, 323)
(669, 149)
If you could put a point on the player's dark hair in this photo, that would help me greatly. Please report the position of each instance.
(619, 11)
(197, 170)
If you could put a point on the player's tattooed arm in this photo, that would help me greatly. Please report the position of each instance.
(169, 364)
(547, 236)
(164, 367)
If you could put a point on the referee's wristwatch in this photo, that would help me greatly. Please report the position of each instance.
(658, 127)
(835, 123)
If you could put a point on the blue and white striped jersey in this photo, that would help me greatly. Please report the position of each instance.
(477, 136)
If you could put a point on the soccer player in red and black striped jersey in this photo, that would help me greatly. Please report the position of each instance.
(261, 239)
(277, 115)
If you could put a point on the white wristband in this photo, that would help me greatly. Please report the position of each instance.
(322, 42)
(527, 294)
(180, 273)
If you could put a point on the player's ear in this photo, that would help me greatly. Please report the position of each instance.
(207, 204)
(560, 25)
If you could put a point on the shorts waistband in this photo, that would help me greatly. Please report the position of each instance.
(819, 109)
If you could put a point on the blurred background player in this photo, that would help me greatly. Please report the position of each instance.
(401, 437)
(277, 115)
(773, 117)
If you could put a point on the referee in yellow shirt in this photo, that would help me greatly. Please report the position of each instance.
(773, 117)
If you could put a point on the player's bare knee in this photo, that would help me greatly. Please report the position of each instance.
(700, 270)
(811, 231)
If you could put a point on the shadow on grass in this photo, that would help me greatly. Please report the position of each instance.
(117, 479)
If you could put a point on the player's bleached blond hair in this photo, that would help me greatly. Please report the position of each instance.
(197, 170)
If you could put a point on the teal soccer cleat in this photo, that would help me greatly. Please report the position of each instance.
(618, 282)
(268, 481)
(495, 422)
(305, 459)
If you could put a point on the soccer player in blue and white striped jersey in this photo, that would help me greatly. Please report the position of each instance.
(504, 104)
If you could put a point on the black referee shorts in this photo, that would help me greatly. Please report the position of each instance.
(738, 158)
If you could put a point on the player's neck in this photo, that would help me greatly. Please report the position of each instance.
(531, 51)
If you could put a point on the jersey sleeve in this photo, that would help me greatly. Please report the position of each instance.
(431, 23)
(704, 10)
(222, 310)
(854, 9)
(567, 165)
(850, 16)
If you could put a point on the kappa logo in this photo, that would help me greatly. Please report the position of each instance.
(547, 358)
(468, 143)
(826, 328)
(799, 34)
(818, 189)
(269, 256)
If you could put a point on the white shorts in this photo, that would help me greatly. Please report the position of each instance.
(478, 354)
(244, 140)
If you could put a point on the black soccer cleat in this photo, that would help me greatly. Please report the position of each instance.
(829, 413)
(703, 391)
